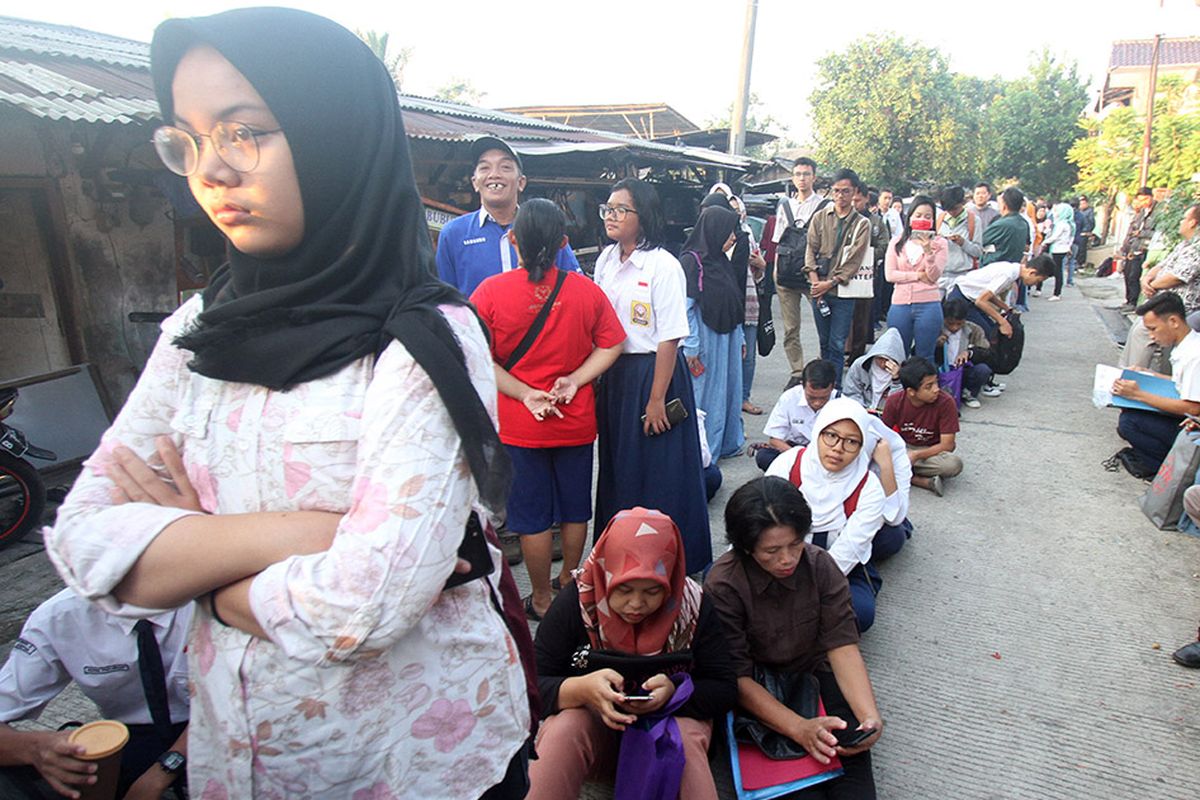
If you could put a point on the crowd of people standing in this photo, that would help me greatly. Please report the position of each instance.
(323, 442)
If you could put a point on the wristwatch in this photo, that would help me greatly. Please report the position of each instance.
(172, 762)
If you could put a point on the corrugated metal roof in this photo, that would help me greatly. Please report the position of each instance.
(42, 38)
(1140, 52)
(59, 72)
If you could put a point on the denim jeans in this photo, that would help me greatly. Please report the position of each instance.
(921, 322)
(751, 337)
(834, 329)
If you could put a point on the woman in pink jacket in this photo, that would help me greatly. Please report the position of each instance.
(914, 264)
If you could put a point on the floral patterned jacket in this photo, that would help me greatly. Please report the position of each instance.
(375, 682)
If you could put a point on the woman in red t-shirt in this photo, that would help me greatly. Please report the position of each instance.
(547, 405)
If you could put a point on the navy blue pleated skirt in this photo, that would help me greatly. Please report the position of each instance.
(661, 472)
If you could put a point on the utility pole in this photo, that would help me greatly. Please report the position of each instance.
(741, 104)
(1145, 173)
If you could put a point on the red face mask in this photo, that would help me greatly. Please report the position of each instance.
(922, 224)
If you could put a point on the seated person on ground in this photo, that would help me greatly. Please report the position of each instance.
(847, 497)
(927, 419)
(1179, 272)
(69, 639)
(631, 603)
(896, 486)
(791, 420)
(873, 377)
(987, 288)
(964, 344)
(712, 472)
(1189, 654)
(787, 611)
(1151, 433)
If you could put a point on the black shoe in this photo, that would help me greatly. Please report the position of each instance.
(1188, 655)
(1134, 466)
(795, 381)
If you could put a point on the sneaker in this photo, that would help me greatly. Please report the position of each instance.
(991, 391)
(936, 486)
(999, 385)
(1055, 298)
(971, 402)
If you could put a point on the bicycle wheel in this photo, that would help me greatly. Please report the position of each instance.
(22, 498)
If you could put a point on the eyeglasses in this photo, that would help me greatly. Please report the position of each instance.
(832, 439)
(236, 145)
(847, 190)
(616, 212)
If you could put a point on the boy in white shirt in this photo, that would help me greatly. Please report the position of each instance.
(791, 420)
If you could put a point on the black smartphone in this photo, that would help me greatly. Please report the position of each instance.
(475, 550)
(676, 412)
(849, 738)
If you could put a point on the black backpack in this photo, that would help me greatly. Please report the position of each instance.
(789, 253)
(1007, 350)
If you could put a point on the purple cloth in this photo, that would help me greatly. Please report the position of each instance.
(650, 761)
(951, 382)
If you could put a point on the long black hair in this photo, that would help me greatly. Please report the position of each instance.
(917, 202)
(539, 232)
(652, 223)
(763, 503)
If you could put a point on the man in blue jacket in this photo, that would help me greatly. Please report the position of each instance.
(475, 246)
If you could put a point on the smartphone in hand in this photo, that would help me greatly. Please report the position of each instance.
(852, 738)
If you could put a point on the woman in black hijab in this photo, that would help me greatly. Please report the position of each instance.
(319, 414)
(716, 309)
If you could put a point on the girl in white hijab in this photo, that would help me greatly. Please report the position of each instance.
(846, 498)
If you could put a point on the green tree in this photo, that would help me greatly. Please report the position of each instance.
(396, 64)
(1109, 154)
(460, 90)
(1032, 125)
(758, 118)
(885, 107)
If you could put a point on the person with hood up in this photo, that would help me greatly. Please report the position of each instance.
(325, 411)
(716, 304)
(848, 499)
(875, 375)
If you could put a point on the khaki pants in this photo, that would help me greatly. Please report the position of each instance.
(790, 303)
(574, 745)
(1141, 351)
(945, 464)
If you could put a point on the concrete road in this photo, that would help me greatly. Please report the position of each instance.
(1022, 645)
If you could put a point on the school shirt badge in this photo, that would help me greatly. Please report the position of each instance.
(639, 313)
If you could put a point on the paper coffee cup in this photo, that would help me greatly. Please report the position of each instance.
(104, 740)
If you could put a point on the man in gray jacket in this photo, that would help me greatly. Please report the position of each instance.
(870, 379)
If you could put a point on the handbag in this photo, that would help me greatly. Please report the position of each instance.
(766, 327)
(1162, 501)
(951, 381)
(800, 692)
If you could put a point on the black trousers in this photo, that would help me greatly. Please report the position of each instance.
(516, 780)
(1133, 278)
(858, 782)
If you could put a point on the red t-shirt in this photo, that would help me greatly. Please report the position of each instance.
(920, 426)
(582, 319)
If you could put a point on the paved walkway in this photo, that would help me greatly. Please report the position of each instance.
(1022, 646)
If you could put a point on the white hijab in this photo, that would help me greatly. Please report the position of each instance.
(826, 491)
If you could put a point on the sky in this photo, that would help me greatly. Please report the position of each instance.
(681, 52)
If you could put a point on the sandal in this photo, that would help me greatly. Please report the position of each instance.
(530, 611)
(555, 585)
(750, 408)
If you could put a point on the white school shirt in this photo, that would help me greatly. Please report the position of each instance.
(895, 505)
(1185, 367)
(997, 277)
(649, 294)
(792, 418)
(851, 545)
(69, 639)
(801, 210)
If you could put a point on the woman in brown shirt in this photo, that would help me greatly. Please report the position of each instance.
(786, 607)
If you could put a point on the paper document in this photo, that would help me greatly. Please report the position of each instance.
(1154, 384)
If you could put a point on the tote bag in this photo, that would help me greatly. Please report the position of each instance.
(1162, 502)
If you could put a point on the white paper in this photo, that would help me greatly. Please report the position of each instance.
(1103, 383)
